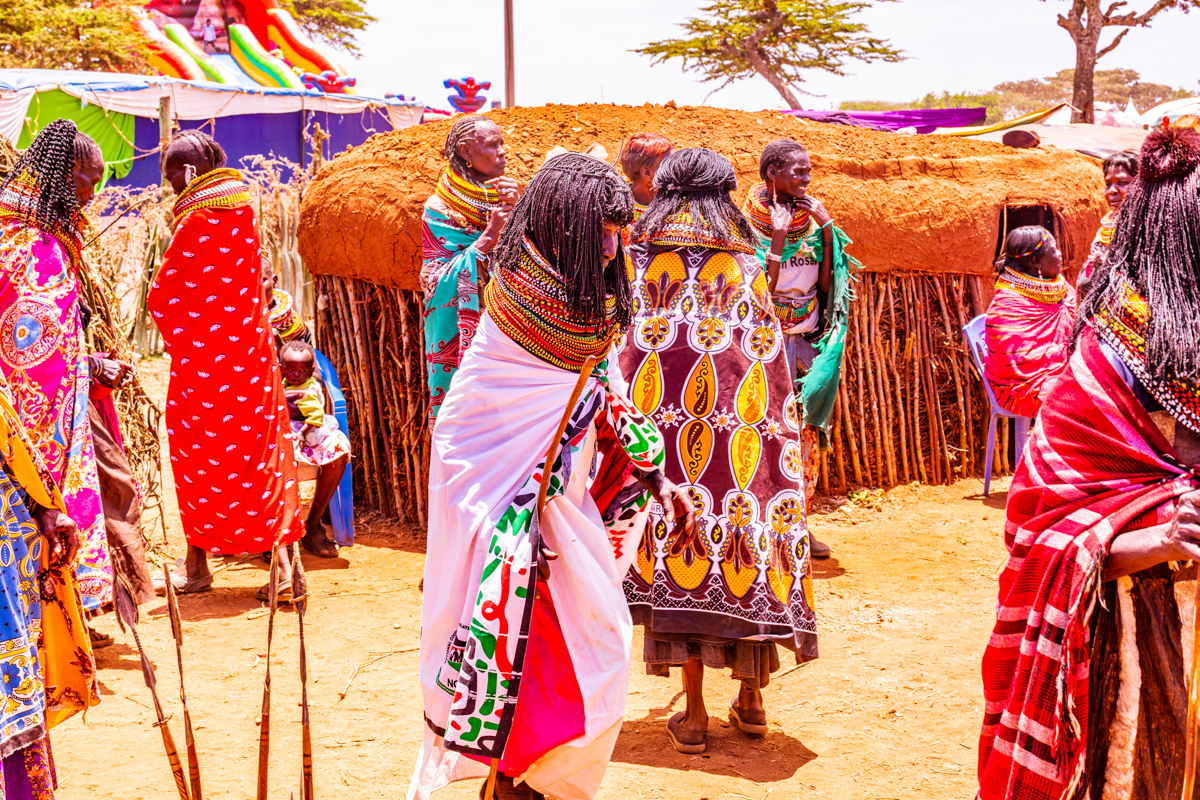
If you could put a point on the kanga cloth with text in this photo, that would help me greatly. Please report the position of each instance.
(45, 654)
(44, 355)
(704, 359)
(803, 252)
(533, 673)
(453, 220)
(1095, 466)
(227, 421)
(1028, 335)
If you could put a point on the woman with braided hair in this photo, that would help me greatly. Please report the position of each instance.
(1029, 321)
(461, 224)
(809, 278)
(525, 633)
(227, 419)
(703, 335)
(1085, 676)
(49, 493)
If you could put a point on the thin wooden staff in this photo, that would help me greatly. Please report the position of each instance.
(489, 790)
(300, 603)
(1189, 765)
(264, 729)
(127, 615)
(188, 735)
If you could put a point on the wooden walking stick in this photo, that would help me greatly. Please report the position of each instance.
(127, 615)
(264, 729)
(1189, 765)
(551, 453)
(300, 603)
(188, 735)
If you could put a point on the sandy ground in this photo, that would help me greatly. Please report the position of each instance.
(891, 709)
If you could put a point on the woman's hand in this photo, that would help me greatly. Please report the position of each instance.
(781, 218)
(1137, 550)
(509, 191)
(816, 209)
(62, 534)
(111, 373)
(677, 506)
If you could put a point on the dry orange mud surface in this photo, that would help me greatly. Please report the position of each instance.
(891, 709)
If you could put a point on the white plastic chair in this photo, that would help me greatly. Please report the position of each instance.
(974, 333)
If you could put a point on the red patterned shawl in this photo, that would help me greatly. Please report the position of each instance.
(1027, 342)
(1096, 466)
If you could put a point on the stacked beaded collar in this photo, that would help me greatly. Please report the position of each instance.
(1108, 226)
(684, 229)
(1124, 326)
(20, 195)
(284, 319)
(529, 303)
(221, 188)
(1051, 292)
(473, 203)
(759, 212)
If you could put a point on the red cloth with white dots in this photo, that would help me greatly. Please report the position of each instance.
(227, 419)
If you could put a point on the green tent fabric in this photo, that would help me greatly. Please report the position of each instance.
(111, 130)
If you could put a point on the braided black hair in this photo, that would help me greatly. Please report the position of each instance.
(463, 130)
(48, 164)
(700, 180)
(777, 154)
(191, 142)
(563, 213)
(1156, 249)
(1126, 160)
(1023, 248)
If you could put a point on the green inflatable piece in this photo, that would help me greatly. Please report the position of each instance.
(113, 131)
(257, 62)
(180, 36)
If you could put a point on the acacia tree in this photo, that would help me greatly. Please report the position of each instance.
(777, 39)
(1086, 22)
(337, 22)
(70, 34)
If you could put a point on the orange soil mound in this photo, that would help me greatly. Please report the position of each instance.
(921, 203)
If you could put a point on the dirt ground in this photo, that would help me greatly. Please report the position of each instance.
(891, 709)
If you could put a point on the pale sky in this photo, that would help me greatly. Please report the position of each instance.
(577, 51)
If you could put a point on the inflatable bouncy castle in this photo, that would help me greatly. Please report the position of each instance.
(238, 42)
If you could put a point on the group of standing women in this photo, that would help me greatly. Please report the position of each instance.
(692, 358)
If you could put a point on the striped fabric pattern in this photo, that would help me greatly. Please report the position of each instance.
(1095, 466)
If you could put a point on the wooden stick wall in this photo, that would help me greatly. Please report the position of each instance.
(911, 405)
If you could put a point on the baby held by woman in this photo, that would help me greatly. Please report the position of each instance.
(297, 360)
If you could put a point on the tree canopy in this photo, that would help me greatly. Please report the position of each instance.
(777, 39)
(336, 22)
(1085, 22)
(1012, 99)
(69, 34)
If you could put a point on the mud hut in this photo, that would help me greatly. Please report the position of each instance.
(927, 215)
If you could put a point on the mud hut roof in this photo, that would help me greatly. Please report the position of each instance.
(910, 203)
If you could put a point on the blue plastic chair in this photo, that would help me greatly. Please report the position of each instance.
(974, 333)
(341, 507)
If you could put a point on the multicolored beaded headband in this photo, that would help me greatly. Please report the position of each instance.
(1037, 247)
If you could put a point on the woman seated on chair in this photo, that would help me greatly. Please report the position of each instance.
(1029, 321)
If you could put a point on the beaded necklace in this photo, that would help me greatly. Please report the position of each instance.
(1124, 326)
(284, 319)
(1042, 290)
(20, 196)
(759, 213)
(1108, 226)
(474, 203)
(529, 303)
(684, 229)
(220, 188)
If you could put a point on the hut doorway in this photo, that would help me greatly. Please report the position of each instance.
(1014, 216)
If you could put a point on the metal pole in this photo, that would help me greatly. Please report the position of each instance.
(510, 69)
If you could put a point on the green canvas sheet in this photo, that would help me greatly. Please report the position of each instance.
(111, 130)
